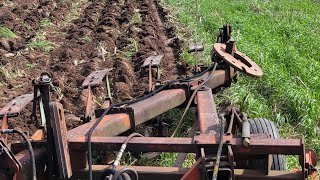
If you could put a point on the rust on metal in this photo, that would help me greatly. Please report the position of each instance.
(145, 172)
(143, 144)
(219, 78)
(59, 127)
(239, 61)
(249, 174)
(15, 106)
(207, 114)
(158, 104)
(89, 106)
(154, 61)
(24, 158)
(9, 164)
(4, 126)
(190, 145)
(194, 172)
(195, 47)
(38, 135)
(95, 78)
(110, 125)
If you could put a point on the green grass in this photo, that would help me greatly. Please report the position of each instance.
(6, 33)
(283, 38)
(45, 22)
(41, 42)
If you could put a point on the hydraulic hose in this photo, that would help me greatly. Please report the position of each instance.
(123, 148)
(125, 170)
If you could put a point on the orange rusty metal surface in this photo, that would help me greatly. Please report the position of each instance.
(24, 158)
(239, 61)
(4, 126)
(110, 125)
(166, 144)
(15, 106)
(138, 144)
(207, 113)
(194, 172)
(145, 172)
(158, 104)
(219, 78)
(115, 124)
(59, 128)
(38, 135)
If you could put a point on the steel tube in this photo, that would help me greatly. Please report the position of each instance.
(115, 124)
(248, 174)
(207, 114)
(158, 104)
(145, 172)
(173, 173)
(190, 145)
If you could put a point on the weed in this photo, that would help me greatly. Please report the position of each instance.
(45, 22)
(10, 74)
(136, 18)
(6, 33)
(87, 38)
(44, 45)
(40, 42)
(31, 65)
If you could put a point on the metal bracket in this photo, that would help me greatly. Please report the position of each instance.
(95, 78)
(9, 164)
(152, 62)
(89, 115)
(239, 61)
(195, 47)
(15, 106)
(58, 124)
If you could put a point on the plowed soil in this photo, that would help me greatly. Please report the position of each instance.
(86, 37)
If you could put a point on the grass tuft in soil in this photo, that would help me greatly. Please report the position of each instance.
(6, 33)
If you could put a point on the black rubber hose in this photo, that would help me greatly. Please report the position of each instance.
(123, 148)
(125, 170)
(109, 172)
(33, 162)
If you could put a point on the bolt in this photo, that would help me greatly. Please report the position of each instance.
(246, 142)
(195, 141)
(198, 133)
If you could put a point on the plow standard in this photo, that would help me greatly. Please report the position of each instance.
(227, 145)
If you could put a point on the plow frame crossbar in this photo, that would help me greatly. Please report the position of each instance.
(105, 138)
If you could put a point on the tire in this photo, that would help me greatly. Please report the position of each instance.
(261, 125)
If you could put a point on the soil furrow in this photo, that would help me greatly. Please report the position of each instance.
(108, 34)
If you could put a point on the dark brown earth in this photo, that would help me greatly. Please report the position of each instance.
(129, 31)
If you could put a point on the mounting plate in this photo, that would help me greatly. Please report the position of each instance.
(95, 78)
(239, 61)
(154, 60)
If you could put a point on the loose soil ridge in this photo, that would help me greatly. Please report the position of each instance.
(107, 34)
